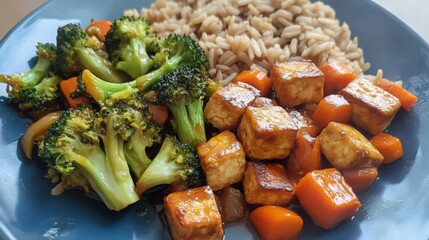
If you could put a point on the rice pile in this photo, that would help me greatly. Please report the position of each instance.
(250, 34)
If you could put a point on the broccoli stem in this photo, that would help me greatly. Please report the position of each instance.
(162, 170)
(99, 89)
(190, 121)
(29, 78)
(99, 67)
(136, 60)
(135, 153)
(146, 81)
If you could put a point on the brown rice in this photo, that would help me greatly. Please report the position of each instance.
(243, 34)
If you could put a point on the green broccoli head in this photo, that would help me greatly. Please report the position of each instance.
(129, 43)
(17, 82)
(132, 119)
(34, 88)
(174, 162)
(77, 142)
(77, 51)
(175, 51)
(183, 91)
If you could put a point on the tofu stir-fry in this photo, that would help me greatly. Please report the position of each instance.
(120, 112)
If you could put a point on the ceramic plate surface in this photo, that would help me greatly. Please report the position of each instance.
(396, 207)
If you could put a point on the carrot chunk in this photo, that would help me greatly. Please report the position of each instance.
(360, 179)
(406, 98)
(276, 223)
(257, 79)
(306, 155)
(67, 88)
(389, 146)
(326, 197)
(333, 108)
(337, 76)
(99, 29)
(159, 113)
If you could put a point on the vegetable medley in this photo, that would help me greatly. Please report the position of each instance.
(119, 111)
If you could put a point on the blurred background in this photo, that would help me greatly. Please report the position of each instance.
(412, 12)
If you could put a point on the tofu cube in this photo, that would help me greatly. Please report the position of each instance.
(193, 214)
(267, 184)
(222, 159)
(346, 148)
(267, 133)
(373, 108)
(226, 106)
(296, 83)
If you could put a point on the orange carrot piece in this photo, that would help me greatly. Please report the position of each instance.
(406, 98)
(389, 146)
(333, 108)
(337, 76)
(159, 113)
(257, 79)
(276, 223)
(305, 156)
(360, 179)
(326, 197)
(99, 29)
(68, 87)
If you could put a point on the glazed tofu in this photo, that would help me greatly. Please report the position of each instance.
(296, 83)
(373, 108)
(193, 214)
(346, 148)
(267, 184)
(226, 107)
(222, 159)
(267, 133)
(264, 102)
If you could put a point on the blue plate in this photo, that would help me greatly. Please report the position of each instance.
(396, 207)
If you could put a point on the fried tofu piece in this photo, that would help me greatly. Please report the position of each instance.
(267, 133)
(373, 108)
(296, 83)
(346, 148)
(222, 159)
(267, 184)
(193, 214)
(264, 102)
(226, 106)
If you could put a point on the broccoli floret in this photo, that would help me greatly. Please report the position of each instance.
(99, 89)
(175, 161)
(183, 91)
(77, 51)
(133, 120)
(36, 87)
(175, 51)
(85, 142)
(128, 43)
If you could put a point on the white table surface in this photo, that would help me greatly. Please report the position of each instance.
(415, 13)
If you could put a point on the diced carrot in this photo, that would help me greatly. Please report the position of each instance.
(333, 108)
(360, 179)
(159, 113)
(406, 98)
(337, 76)
(276, 223)
(326, 197)
(389, 146)
(257, 79)
(67, 88)
(305, 155)
(99, 29)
